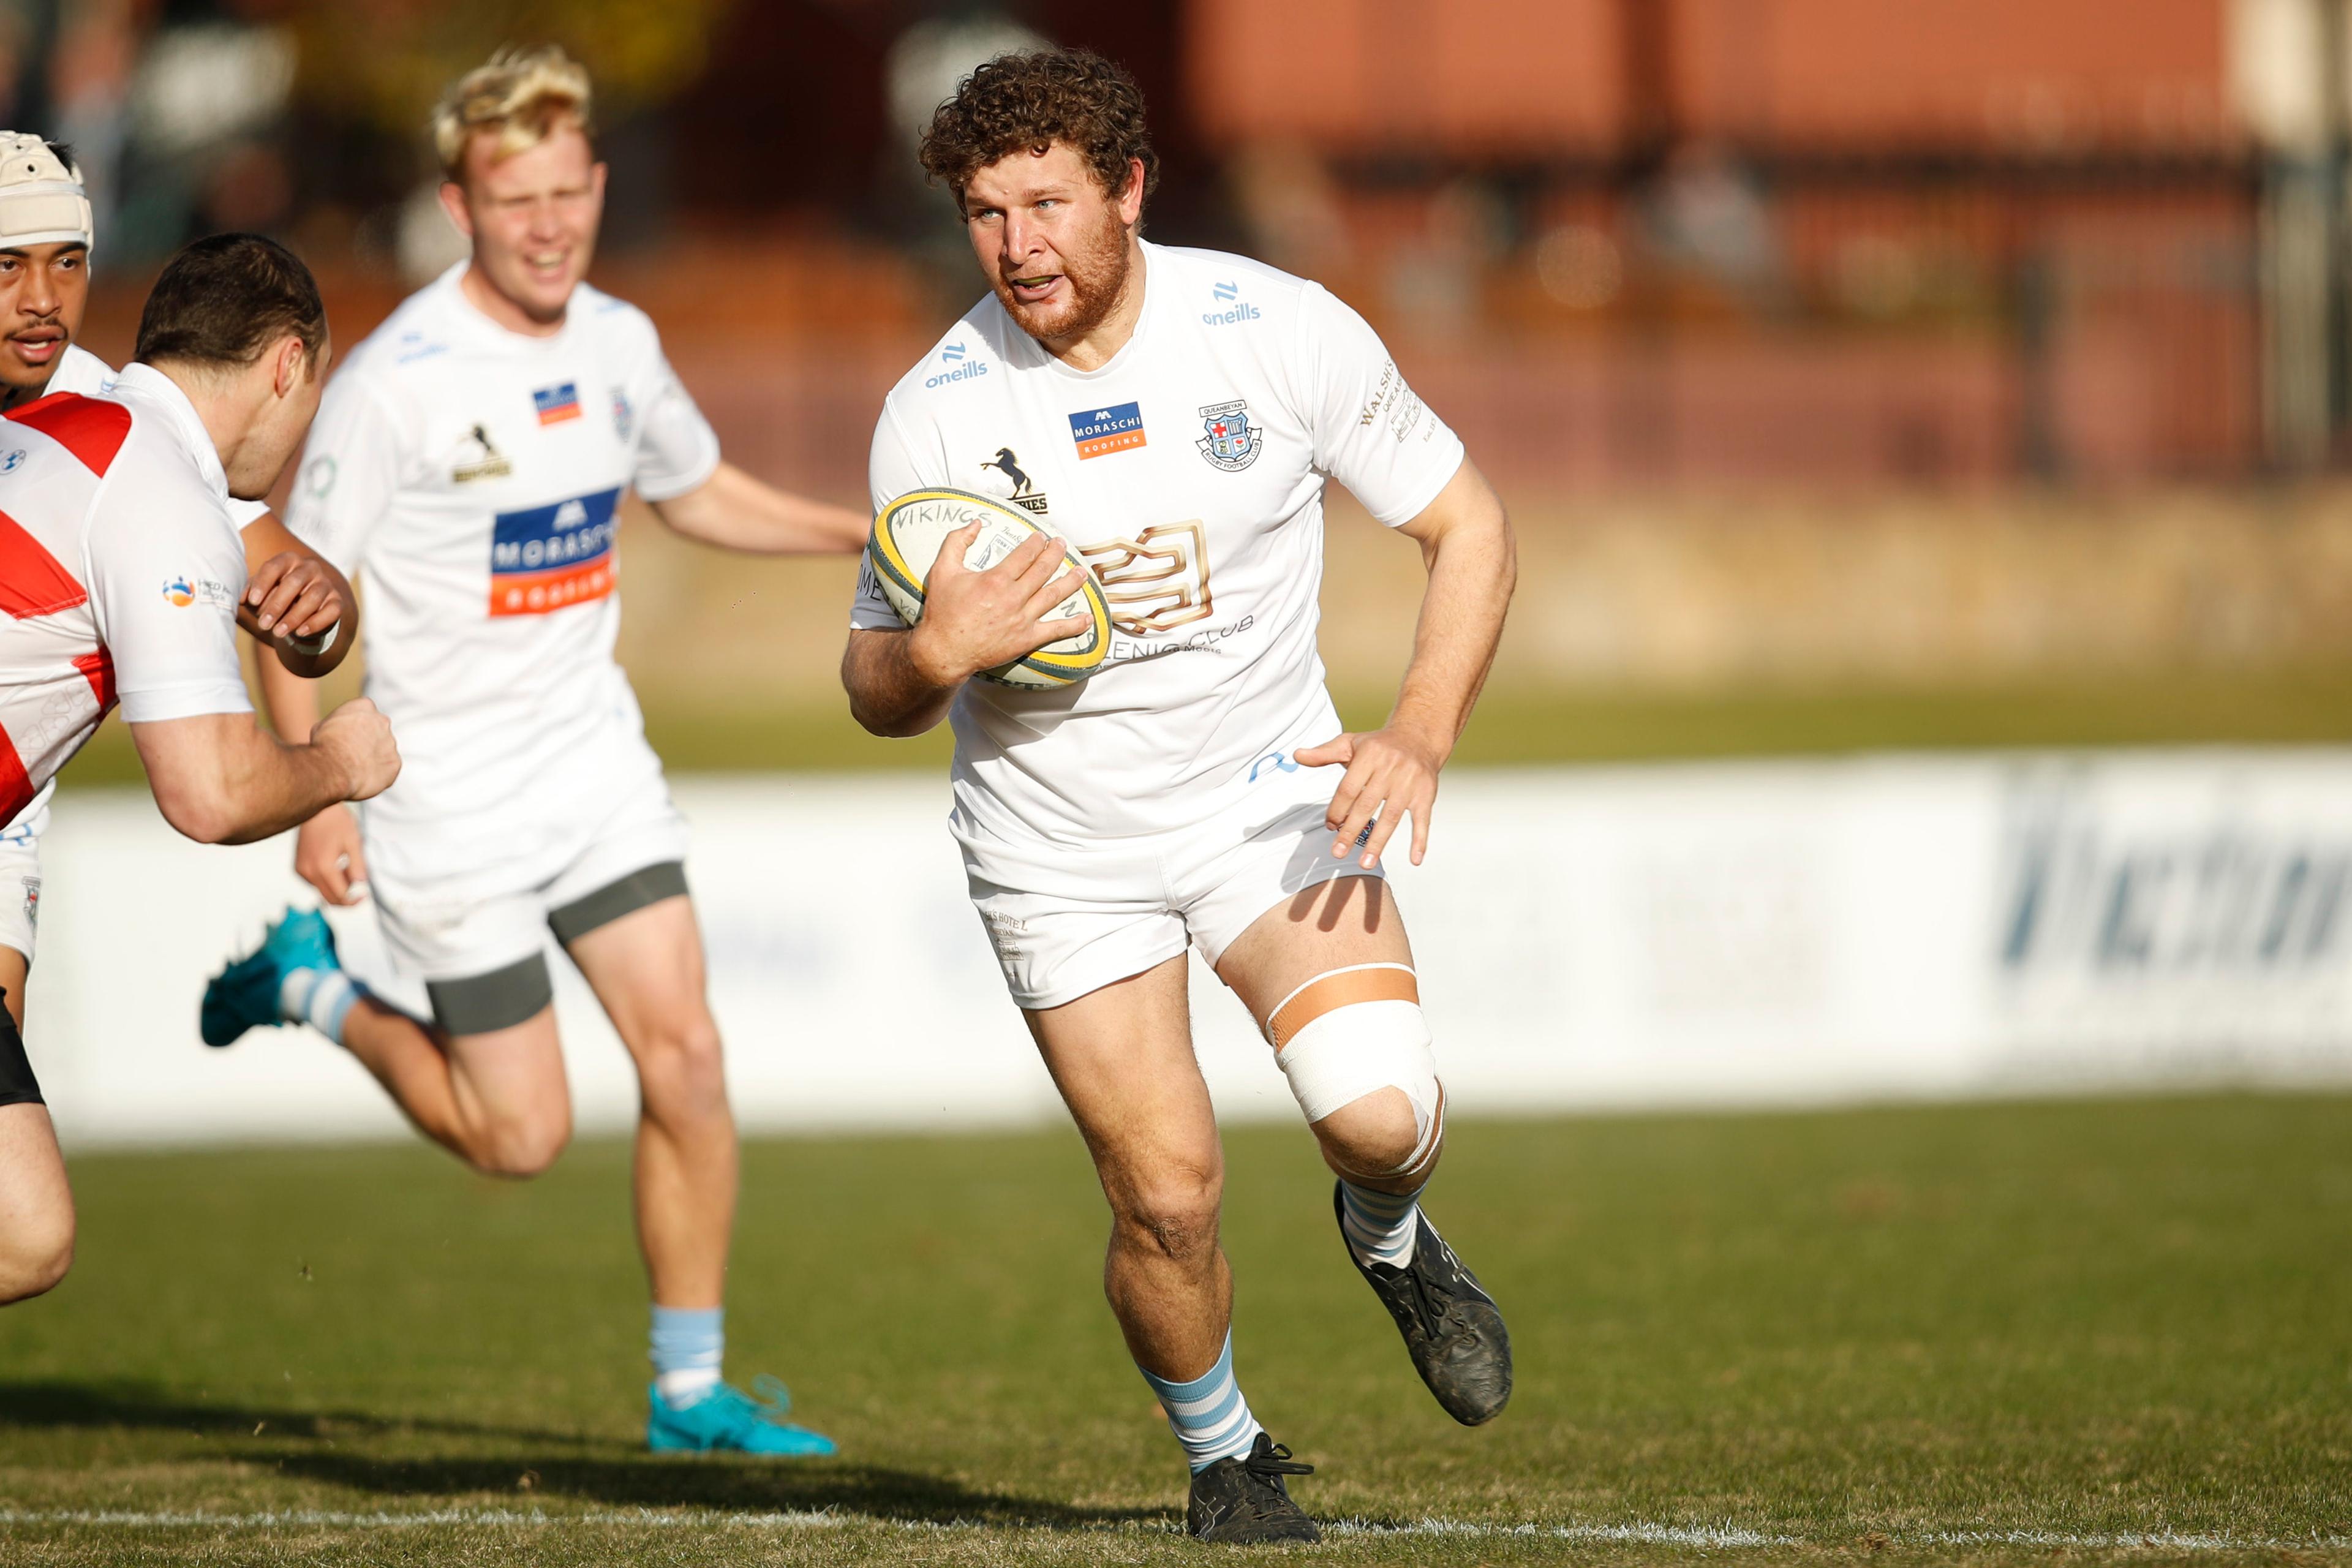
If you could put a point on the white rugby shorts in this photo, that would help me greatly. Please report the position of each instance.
(1066, 919)
(20, 889)
(20, 885)
(455, 925)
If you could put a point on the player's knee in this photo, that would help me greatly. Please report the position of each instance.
(35, 1257)
(520, 1145)
(1355, 1048)
(1374, 1135)
(1175, 1213)
(681, 1067)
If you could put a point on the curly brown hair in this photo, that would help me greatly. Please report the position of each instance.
(1027, 99)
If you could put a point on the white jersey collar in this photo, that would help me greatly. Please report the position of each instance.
(145, 385)
(79, 370)
(452, 288)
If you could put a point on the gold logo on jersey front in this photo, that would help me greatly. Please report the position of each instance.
(1157, 581)
(478, 459)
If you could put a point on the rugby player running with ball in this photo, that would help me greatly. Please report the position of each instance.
(122, 575)
(1173, 413)
(469, 461)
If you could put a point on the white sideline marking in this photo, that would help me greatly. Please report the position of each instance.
(2149, 1540)
(1716, 1536)
(1708, 1535)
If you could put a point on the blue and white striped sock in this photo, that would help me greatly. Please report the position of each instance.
(688, 1343)
(1379, 1226)
(1208, 1415)
(322, 998)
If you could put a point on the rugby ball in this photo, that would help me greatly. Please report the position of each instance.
(907, 538)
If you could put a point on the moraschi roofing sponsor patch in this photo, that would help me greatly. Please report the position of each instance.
(1102, 431)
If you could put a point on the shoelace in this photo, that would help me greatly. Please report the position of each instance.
(743, 1412)
(1430, 1301)
(1269, 1459)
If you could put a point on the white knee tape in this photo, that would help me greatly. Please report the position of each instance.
(1352, 1032)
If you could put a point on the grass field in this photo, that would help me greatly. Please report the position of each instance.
(2010, 1333)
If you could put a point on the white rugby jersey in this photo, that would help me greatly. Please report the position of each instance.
(120, 569)
(1189, 472)
(473, 476)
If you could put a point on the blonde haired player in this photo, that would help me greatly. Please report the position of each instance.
(469, 461)
(1175, 415)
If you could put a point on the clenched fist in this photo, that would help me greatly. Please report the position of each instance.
(360, 739)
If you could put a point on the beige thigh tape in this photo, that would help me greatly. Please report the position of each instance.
(1338, 988)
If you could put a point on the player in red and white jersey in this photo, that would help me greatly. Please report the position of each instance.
(469, 464)
(122, 572)
(294, 600)
(1175, 415)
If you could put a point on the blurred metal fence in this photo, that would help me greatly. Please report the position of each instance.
(1716, 317)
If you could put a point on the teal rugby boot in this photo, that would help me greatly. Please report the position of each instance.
(729, 1420)
(245, 994)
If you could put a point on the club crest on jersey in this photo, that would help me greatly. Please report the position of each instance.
(625, 419)
(1102, 431)
(1025, 493)
(477, 459)
(557, 404)
(1231, 442)
(549, 557)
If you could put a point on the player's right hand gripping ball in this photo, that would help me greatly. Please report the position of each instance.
(906, 541)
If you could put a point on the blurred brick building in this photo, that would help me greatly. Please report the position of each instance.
(1940, 239)
(1618, 241)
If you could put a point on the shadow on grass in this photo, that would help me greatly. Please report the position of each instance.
(315, 1446)
(722, 1484)
(141, 1407)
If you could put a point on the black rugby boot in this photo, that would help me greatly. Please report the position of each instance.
(1452, 1328)
(1243, 1501)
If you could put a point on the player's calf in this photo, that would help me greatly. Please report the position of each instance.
(37, 1216)
(34, 1258)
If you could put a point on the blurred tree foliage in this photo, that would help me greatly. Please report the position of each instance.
(386, 62)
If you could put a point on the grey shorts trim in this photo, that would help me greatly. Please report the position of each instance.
(645, 886)
(480, 1004)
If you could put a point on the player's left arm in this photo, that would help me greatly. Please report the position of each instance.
(295, 603)
(1472, 558)
(735, 512)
